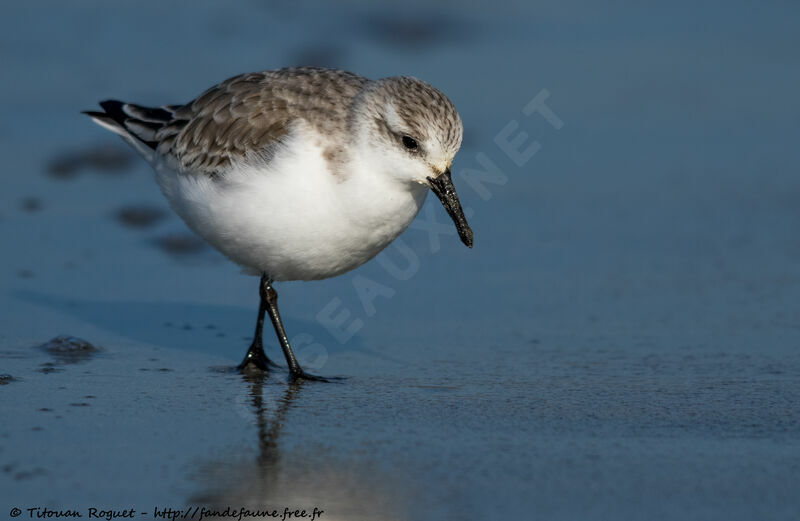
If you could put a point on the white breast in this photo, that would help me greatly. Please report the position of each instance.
(293, 218)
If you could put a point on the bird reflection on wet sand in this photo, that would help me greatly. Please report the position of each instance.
(274, 478)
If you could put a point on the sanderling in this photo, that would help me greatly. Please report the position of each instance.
(299, 173)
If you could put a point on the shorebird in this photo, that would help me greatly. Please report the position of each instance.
(299, 173)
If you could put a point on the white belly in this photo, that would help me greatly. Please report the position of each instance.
(294, 219)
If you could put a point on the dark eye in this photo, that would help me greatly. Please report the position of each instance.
(410, 143)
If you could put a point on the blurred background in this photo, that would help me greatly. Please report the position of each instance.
(621, 343)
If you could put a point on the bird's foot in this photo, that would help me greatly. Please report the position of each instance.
(299, 375)
(256, 359)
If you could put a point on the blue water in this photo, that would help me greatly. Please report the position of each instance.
(621, 343)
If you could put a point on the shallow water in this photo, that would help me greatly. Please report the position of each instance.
(621, 343)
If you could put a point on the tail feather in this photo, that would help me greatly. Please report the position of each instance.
(136, 124)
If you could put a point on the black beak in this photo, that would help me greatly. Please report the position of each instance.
(443, 187)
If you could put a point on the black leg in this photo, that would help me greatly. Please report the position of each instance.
(255, 354)
(271, 297)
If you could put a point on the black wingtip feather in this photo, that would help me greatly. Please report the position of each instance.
(115, 112)
(94, 114)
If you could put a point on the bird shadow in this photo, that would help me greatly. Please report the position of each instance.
(216, 330)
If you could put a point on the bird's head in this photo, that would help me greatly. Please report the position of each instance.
(413, 131)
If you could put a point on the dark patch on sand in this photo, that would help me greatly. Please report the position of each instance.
(415, 31)
(105, 159)
(69, 349)
(49, 367)
(140, 216)
(25, 274)
(179, 244)
(30, 204)
(320, 55)
(19, 476)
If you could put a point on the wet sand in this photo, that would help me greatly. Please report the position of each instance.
(621, 343)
